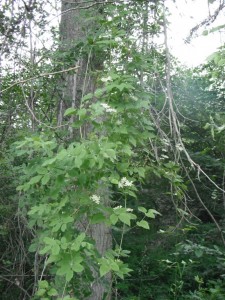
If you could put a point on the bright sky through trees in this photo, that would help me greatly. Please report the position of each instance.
(184, 15)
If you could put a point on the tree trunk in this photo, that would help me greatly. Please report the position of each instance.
(74, 29)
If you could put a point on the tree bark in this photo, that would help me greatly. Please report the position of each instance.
(74, 29)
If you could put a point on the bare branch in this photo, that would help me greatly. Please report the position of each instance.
(206, 22)
(38, 76)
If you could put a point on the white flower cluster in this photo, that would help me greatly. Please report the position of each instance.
(106, 79)
(117, 207)
(108, 108)
(124, 182)
(95, 199)
(127, 209)
(118, 39)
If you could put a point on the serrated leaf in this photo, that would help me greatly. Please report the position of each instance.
(143, 224)
(69, 111)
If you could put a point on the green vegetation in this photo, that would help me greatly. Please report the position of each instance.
(112, 157)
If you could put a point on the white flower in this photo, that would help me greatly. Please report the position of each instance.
(109, 78)
(129, 209)
(108, 108)
(95, 199)
(124, 182)
(117, 207)
(111, 110)
(118, 39)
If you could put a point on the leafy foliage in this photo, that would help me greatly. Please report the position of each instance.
(110, 159)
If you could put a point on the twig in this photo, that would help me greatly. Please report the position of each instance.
(207, 21)
(81, 7)
(38, 76)
(15, 283)
(205, 207)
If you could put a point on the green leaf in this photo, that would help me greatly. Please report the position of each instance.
(198, 253)
(63, 227)
(45, 179)
(78, 162)
(143, 224)
(45, 250)
(55, 249)
(82, 112)
(98, 218)
(110, 153)
(125, 218)
(114, 219)
(151, 213)
(69, 275)
(78, 268)
(142, 209)
(69, 111)
(133, 141)
(43, 284)
(104, 269)
(49, 162)
(88, 97)
(77, 243)
(131, 193)
(52, 292)
(40, 292)
(49, 241)
(35, 179)
(114, 266)
(127, 150)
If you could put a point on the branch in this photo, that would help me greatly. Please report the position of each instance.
(15, 283)
(83, 7)
(206, 22)
(38, 76)
(205, 207)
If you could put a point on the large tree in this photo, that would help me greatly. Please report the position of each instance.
(77, 25)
